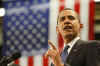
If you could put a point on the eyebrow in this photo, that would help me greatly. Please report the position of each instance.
(67, 16)
(62, 16)
(71, 16)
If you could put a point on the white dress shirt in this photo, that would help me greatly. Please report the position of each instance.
(71, 44)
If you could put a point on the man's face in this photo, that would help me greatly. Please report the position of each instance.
(68, 24)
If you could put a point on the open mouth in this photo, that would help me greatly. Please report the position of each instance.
(67, 27)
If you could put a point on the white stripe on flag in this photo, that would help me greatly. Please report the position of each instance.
(23, 61)
(54, 6)
(69, 4)
(38, 60)
(84, 18)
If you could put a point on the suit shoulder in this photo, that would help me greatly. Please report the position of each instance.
(94, 43)
(89, 44)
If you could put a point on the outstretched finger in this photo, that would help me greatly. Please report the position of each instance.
(51, 44)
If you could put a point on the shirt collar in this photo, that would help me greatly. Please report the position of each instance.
(72, 43)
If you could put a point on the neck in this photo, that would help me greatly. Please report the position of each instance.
(69, 39)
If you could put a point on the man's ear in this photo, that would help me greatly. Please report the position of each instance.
(81, 25)
(57, 30)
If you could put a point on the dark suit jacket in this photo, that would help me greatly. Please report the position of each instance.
(84, 53)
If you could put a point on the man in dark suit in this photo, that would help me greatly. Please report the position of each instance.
(79, 52)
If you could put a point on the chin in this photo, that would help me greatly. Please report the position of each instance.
(68, 36)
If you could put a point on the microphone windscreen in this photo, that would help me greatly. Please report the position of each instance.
(16, 55)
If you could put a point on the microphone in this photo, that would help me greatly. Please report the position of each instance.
(7, 60)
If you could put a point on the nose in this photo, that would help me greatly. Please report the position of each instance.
(67, 22)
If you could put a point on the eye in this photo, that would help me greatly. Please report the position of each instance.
(71, 17)
(62, 18)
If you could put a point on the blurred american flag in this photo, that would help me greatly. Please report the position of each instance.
(31, 23)
(26, 27)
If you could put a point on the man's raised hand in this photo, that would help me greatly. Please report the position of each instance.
(54, 54)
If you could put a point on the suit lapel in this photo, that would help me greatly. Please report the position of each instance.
(74, 50)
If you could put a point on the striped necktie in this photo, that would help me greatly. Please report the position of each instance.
(64, 54)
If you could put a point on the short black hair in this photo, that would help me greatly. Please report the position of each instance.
(68, 9)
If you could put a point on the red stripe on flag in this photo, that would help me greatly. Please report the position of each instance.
(60, 42)
(62, 4)
(30, 61)
(16, 61)
(45, 61)
(60, 39)
(91, 19)
(77, 6)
